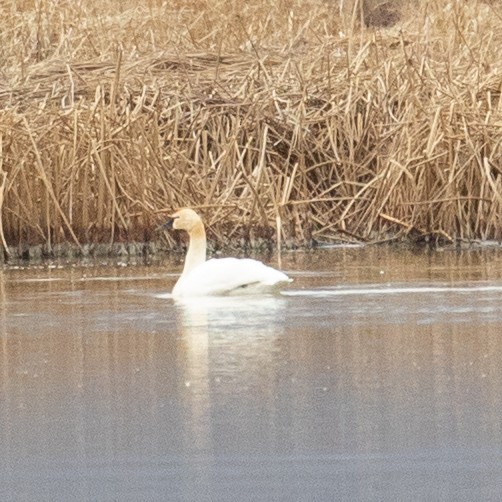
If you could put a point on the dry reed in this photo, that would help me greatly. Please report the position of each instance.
(283, 121)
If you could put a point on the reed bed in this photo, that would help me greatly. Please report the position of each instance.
(285, 123)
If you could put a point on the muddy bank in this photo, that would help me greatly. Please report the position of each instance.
(159, 248)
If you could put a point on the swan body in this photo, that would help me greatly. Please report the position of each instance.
(222, 276)
(226, 276)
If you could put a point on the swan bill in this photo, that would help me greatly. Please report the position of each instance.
(168, 225)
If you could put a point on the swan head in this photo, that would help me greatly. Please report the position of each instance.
(183, 219)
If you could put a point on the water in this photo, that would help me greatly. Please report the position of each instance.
(376, 376)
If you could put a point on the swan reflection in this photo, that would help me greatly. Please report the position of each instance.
(261, 313)
(227, 342)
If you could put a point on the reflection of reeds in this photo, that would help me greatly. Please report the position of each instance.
(282, 120)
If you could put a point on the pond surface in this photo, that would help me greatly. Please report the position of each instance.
(376, 376)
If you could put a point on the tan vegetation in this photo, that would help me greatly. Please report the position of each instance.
(291, 120)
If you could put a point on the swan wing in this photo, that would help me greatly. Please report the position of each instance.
(230, 276)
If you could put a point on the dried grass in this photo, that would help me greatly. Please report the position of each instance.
(282, 121)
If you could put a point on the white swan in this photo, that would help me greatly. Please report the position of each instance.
(221, 276)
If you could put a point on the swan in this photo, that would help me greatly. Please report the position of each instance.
(222, 276)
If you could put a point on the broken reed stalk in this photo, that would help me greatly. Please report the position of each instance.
(286, 128)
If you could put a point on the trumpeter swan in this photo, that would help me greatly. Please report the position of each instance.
(221, 276)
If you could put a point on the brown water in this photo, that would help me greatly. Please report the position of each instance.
(377, 376)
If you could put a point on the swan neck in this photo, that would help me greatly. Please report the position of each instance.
(196, 253)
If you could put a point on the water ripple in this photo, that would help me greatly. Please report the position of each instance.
(391, 290)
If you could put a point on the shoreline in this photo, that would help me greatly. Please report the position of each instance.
(39, 254)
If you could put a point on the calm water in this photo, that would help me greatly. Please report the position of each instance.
(376, 376)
